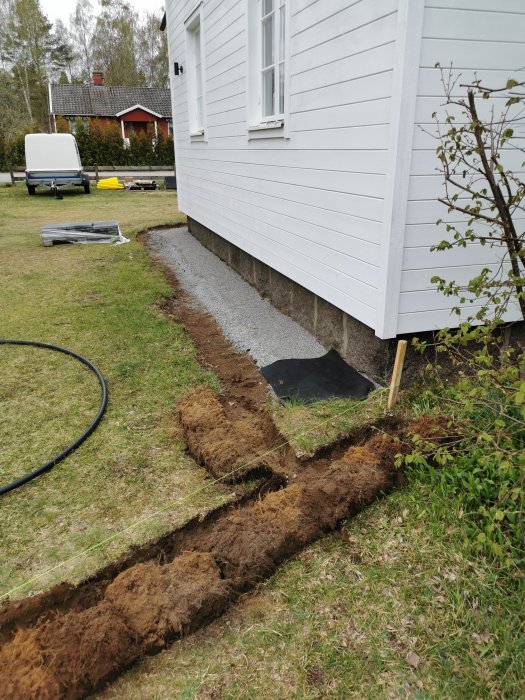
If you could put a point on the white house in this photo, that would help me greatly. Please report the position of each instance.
(300, 157)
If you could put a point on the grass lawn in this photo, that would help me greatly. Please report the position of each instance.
(101, 301)
(394, 606)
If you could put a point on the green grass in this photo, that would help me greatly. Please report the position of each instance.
(103, 302)
(393, 608)
(343, 619)
(311, 426)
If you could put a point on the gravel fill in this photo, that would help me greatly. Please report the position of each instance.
(249, 322)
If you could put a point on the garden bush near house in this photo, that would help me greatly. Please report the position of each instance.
(100, 144)
(141, 149)
(115, 152)
(12, 150)
(164, 150)
(484, 466)
(62, 125)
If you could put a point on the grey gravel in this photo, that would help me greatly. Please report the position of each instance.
(249, 322)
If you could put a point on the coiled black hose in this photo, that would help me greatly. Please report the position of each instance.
(104, 400)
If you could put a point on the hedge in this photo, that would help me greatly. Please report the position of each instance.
(100, 144)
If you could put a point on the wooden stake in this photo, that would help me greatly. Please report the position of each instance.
(396, 374)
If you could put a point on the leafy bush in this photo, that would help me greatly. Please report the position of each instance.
(12, 151)
(484, 467)
(101, 144)
(475, 136)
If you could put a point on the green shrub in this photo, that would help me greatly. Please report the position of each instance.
(484, 466)
(100, 144)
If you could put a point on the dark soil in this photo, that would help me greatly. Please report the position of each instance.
(69, 654)
(72, 640)
(232, 448)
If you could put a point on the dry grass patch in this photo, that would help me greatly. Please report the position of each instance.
(393, 607)
(103, 302)
(311, 426)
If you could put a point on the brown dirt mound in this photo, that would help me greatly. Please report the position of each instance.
(224, 445)
(143, 609)
(149, 605)
(432, 428)
(160, 602)
(66, 657)
(172, 587)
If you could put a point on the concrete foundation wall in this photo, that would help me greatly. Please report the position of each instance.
(334, 328)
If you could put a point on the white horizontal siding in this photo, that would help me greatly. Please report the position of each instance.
(310, 205)
(473, 35)
(372, 162)
(342, 50)
(435, 319)
(322, 22)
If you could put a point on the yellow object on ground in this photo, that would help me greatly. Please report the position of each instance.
(110, 183)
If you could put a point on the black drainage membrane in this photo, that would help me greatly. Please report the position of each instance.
(315, 379)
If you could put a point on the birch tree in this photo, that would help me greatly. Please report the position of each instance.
(152, 51)
(82, 24)
(114, 43)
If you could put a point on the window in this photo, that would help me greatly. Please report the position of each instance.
(195, 62)
(272, 63)
(267, 63)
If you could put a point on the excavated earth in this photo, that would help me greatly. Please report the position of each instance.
(71, 640)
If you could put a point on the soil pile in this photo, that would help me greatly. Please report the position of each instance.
(223, 445)
(71, 640)
(149, 605)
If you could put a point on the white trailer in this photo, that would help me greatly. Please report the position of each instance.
(53, 161)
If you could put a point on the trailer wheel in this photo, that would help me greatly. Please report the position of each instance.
(87, 188)
(31, 189)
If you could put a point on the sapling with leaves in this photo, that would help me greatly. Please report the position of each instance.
(475, 140)
(484, 470)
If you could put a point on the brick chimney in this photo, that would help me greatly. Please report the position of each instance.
(98, 78)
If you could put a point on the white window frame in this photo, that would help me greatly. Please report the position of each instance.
(196, 75)
(276, 123)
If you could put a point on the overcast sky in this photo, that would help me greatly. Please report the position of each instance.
(62, 9)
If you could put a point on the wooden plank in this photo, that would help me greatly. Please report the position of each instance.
(377, 59)
(276, 228)
(330, 26)
(358, 205)
(396, 374)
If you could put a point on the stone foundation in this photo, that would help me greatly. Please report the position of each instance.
(332, 327)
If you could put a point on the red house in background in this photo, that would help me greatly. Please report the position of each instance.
(133, 108)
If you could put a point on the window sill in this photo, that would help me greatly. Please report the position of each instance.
(267, 130)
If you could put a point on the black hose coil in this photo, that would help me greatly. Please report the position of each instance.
(104, 400)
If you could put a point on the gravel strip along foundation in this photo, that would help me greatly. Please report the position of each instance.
(70, 641)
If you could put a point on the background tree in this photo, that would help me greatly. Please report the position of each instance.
(33, 54)
(152, 51)
(62, 56)
(115, 44)
(82, 27)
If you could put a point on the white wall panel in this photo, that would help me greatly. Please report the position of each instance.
(309, 205)
(473, 35)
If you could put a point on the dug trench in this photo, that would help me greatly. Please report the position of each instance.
(71, 640)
